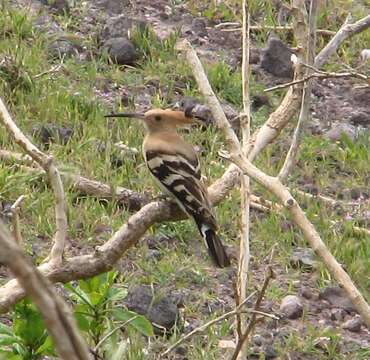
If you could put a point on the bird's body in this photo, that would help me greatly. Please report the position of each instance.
(175, 166)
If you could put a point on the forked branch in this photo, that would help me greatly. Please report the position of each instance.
(47, 163)
(273, 185)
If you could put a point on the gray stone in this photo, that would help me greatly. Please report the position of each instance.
(303, 258)
(360, 118)
(257, 340)
(270, 352)
(337, 314)
(339, 130)
(59, 6)
(120, 26)
(291, 307)
(158, 308)
(48, 133)
(112, 6)
(199, 26)
(337, 297)
(193, 107)
(276, 58)
(121, 51)
(62, 48)
(353, 325)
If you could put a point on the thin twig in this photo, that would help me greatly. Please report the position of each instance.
(310, 45)
(244, 253)
(15, 209)
(47, 163)
(242, 342)
(224, 27)
(208, 324)
(320, 75)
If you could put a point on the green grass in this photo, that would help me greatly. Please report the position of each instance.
(68, 98)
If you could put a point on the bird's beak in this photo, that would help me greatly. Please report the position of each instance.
(127, 115)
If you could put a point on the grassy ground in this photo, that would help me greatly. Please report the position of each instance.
(68, 98)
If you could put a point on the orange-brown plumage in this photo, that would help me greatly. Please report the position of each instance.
(175, 165)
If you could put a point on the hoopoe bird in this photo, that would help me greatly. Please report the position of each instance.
(175, 166)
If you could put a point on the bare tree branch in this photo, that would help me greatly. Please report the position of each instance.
(58, 318)
(244, 253)
(225, 27)
(273, 185)
(345, 32)
(309, 44)
(321, 75)
(47, 163)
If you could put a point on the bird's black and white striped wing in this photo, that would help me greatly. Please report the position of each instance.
(182, 178)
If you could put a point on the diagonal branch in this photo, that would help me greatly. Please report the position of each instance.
(47, 163)
(273, 185)
(57, 316)
(344, 33)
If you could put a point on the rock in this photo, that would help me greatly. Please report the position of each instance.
(360, 118)
(337, 297)
(156, 242)
(193, 107)
(337, 314)
(121, 51)
(307, 293)
(254, 55)
(303, 258)
(270, 352)
(102, 228)
(48, 133)
(257, 340)
(199, 27)
(120, 26)
(159, 309)
(353, 325)
(112, 7)
(260, 100)
(276, 58)
(291, 306)
(338, 130)
(62, 48)
(59, 7)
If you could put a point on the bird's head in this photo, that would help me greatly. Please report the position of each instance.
(160, 119)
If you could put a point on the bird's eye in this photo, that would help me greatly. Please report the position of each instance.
(157, 118)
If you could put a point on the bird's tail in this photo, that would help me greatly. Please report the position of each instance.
(214, 245)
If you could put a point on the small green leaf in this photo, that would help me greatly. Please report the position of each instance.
(82, 321)
(5, 329)
(139, 322)
(143, 325)
(47, 348)
(8, 339)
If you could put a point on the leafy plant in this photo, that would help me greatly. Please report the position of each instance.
(27, 338)
(100, 316)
